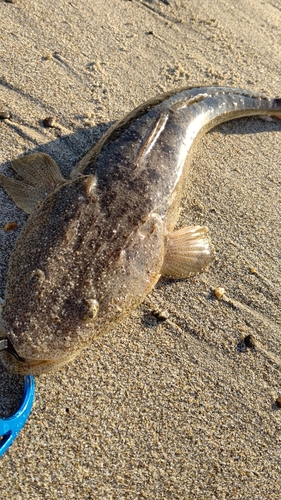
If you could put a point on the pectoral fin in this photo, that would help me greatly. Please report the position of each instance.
(188, 251)
(40, 174)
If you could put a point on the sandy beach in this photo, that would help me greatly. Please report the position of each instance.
(178, 409)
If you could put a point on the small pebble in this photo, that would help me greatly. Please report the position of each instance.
(219, 292)
(10, 226)
(249, 341)
(5, 115)
(253, 270)
(89, 123)
(160, 315)
(278, 401)
(49, 122)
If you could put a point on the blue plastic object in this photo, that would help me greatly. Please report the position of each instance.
(11, 426)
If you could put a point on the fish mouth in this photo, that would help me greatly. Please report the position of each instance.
(6, 344)
(36, 362)
(26, 366)
(33, 366)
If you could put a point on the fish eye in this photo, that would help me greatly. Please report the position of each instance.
(88, 310)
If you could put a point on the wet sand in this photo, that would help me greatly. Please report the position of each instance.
(178, 409)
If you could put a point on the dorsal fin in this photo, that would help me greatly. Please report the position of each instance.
(41, 175)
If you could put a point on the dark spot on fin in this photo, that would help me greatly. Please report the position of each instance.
(188, 252)
(41, 175)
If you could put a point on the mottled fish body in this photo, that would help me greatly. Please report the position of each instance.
(95, 245)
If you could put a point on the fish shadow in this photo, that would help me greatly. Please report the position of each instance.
(248, 125)
(65, 149)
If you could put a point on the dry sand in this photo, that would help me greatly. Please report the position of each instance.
(179, 409)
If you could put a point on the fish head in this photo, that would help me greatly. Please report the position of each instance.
(50, 302)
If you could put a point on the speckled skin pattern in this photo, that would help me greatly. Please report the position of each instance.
(100, 238)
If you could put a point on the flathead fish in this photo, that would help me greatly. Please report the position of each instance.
(95, 245)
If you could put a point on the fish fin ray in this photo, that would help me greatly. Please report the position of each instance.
(188, 251)
(39, 169)
(25, 197)
(41, 175)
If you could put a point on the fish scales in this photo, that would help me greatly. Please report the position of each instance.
(94, 245)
